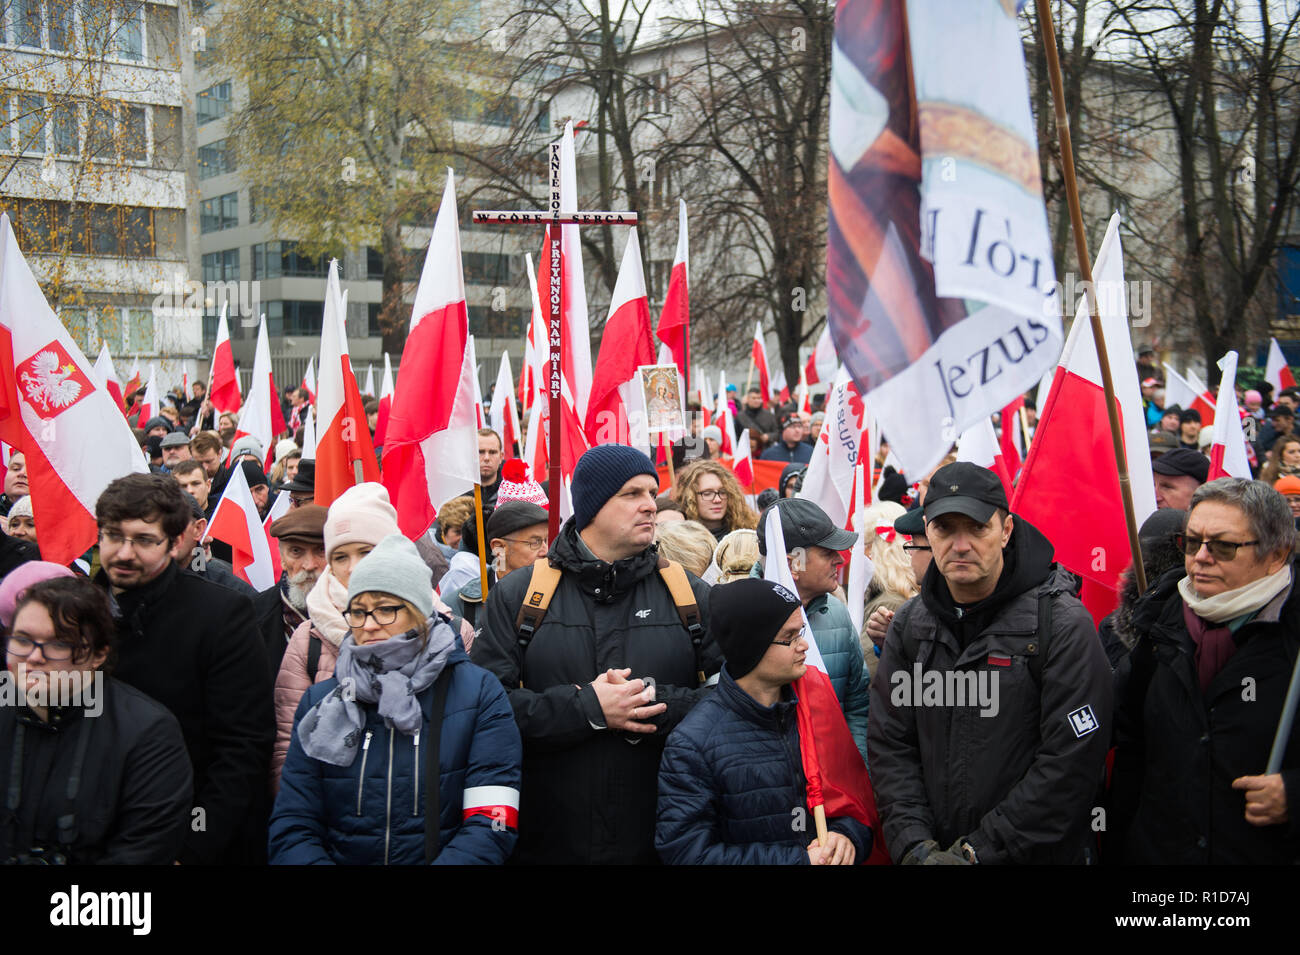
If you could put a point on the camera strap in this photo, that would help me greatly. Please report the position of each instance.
(67, 823)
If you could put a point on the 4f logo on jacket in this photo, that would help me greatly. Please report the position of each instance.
(642, 613)
(1082, 721)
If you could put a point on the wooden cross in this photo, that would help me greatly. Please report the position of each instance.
(555, 218)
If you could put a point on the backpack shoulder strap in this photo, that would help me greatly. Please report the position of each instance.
(1047, 595)
(432, 767)
(541, 588)
(313, 657)
(679, 588)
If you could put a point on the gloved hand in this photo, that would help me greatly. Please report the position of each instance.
(919, 852)
(950, 856)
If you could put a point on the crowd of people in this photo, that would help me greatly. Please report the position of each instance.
(627, 691)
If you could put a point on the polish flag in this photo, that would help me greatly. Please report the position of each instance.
(573, 301)
(828, 482)
(309, 378)
(822, 362)
(480, 412)
(1228, 450)
(134, 381)
(627, 343)
(1182, 392)
(758, 361)
(52, 409)
(832, 766)
(431, 445)
(701, 380)
(236, 522)
(1277, 373)
(385, 402)
(861, 569)
(529, 385)
(261, 416)
(342, 437)
(979, 444)
(224, 388)
(742, 465)
(1012, 441)
(1071, 468)
(151, 404)
(504, 414)
(532, 393)
(369, 390)
(1207, 401)
(674, 321)
(279, 507)
(309, 434)
(722, 417)
(498, 803)
(108, 376)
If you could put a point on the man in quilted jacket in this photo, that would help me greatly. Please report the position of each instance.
(731, 783)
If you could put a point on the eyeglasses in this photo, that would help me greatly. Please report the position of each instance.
(536, 543)
(910, 547)
(52, 650)
(117, 539)
(299, 500)
(798, 636)
(384, 615)
(1219, 550)
(716, 495)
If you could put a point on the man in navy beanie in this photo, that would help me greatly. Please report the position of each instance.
(600, 666)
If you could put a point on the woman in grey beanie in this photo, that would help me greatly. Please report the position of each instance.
(354, 790)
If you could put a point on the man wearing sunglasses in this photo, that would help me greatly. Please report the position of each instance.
(1200, 695)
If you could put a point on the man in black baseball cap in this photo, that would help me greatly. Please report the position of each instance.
(813, 544)
(994, 756)
(1178, 474)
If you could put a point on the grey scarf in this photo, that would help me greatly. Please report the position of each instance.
(390, 674)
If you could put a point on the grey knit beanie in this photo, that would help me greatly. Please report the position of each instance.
(394, 567)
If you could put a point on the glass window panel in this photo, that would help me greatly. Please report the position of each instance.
(27, 22)
(135, 141)
(99, 131)
(59, 13)
(130, 30)
(31, 124)
(139, 329)
(104, 225)
(137, 233)
(213, 103)
(77, 322)
(65, 130)
(96, 25)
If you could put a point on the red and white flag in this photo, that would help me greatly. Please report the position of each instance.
(261, 416)
(369, 389)
(385, 402)
(1228, 450)
(833, 768)
(1186, 394)
(151, 404)
(758, 362)
(1276, 372)
(431, 445)
(823, 361)
(52, 409)
(108, 375)
(675, 319)
(1071, 468)
(1012, 439)
(342, 435)
(480, 412)
(529, 382)
(309, 434)
(504, 414)
(627, 342)
(279, 507)
(309, 378)
(742, 465)
(828, 483)
(861, 570)
(979, 444)
(236, 522)
(722, 417)
(134, 382)
(224, 388)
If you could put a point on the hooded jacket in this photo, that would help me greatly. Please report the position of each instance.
(731, 785)
(1018, 782)
(1178, 749)
(589, 794)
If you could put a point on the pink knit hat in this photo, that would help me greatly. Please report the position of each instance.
(516, 485)
(22, 577)
(361, 513)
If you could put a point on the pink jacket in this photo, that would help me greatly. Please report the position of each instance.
(291, 683)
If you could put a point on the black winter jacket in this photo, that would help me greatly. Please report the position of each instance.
(1019, 784)
(133, 802)
(195, 647)
(1179, 749)
(589, 794)
(732, 789)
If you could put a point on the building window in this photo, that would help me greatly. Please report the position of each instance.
(213, 103)
(221, 212)
(294, 318)
(46, 227)
(31, 124)
(135, 132)
(484, 322)
(59, 13)
(128, 29)
(221, 266)
(27, 22)
(374, 263)
(485, 268)
(216, 159)
(272, 260)
(139, 330)
(65, 123)
(77, 322)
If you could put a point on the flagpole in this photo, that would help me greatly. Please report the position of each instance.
(1048, 30)
(482, 550)
(1024, 427)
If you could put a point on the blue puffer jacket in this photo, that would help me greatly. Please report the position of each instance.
(841, 649)
(732, 788)
(372, 812)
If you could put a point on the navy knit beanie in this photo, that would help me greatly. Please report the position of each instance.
(600, 473)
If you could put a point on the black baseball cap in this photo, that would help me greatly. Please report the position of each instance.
(804, 524)
(1183, 462)
(965, 488)
(912, 523)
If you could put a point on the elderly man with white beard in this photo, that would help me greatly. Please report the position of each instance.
(301, 536)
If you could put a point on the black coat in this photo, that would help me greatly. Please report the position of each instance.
(589, 794)
(268, 608)
(133, 803)
(195, 647)
(14, 552)
(1177, 749)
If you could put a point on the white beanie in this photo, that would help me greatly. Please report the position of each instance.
(285, 448)
(361, 513)
(21, 507)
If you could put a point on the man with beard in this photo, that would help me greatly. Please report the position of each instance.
(301, 535)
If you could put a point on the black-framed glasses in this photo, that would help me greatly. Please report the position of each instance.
(798, 636)
(713, 495)
(536, 543)
(911, 547)
(1219, 550)
(53, 650)
(384, 615)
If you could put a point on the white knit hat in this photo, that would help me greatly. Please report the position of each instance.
(361, 513)
(516, 485)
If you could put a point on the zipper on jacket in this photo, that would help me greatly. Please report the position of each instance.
(361, 779)
(388, 807)
(415, 804)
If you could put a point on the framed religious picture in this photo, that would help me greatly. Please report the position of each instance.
(663, 398)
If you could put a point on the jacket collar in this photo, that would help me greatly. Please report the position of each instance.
(130, 600)
(742, 703)
(598, 579)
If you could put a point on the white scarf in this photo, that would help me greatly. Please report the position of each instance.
(325, 605)
(1231, 604)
